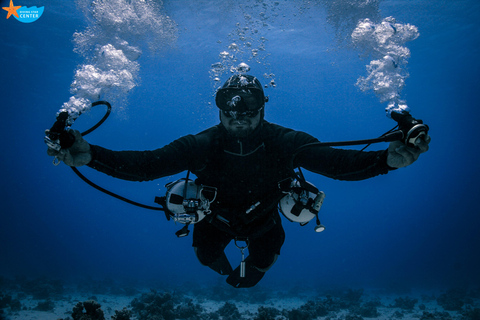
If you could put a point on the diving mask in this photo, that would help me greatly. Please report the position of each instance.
(240, 100)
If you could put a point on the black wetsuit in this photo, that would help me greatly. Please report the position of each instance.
(245, 172)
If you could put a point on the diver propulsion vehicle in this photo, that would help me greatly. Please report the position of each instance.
(188, 203)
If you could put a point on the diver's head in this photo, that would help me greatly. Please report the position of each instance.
(241, 102)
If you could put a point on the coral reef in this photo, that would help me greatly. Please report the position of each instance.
(46, 305)
(405, 303)
(472, 314)
(343, 299)
(41, 288)
(368, 309)
(350, 300)
(452, 300)
(7, 301)
(164, 306)
(229, 311)
(92, 311)
(353, 297)
(123, 314)
(20, 297)
(188, 310)
(309, 311)
(352, 316)
(266, 313)
(435, 316)
(153, 305)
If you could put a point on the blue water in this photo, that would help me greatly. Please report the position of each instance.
(415, 227)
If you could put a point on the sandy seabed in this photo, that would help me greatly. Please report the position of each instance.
(43, 299)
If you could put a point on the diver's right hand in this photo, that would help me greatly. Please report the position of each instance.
(77, 155)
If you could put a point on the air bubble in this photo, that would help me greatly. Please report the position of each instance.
(112, 69)
(243, 68)
(386, 72)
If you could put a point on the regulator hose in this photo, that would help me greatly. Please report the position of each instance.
(114, 194)
(99, 123)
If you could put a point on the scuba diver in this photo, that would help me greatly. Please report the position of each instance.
(244, 158)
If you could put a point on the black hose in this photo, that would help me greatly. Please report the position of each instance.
(114, 194)
(109, 109)
(392, 136)
(387, 137)
(85, 179)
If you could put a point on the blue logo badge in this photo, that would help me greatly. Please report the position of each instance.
(23, 14)
(27, 15)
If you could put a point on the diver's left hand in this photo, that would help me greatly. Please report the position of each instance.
(399, 155)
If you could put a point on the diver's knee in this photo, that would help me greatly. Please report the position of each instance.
(265, 269)
(216, 262)
(202, 257)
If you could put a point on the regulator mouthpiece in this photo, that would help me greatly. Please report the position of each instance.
(412, 129)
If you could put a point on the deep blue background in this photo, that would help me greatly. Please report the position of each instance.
(415, 227)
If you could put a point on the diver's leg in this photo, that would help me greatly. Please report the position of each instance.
(219, 263)
(263, 252)
(209, 244)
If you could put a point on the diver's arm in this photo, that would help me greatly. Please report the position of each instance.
(343, 164)
(185, 153)
(130, 165)
(145, 165)
(336, 163)
(358, 165)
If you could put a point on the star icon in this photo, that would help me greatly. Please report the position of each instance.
(12, 10)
